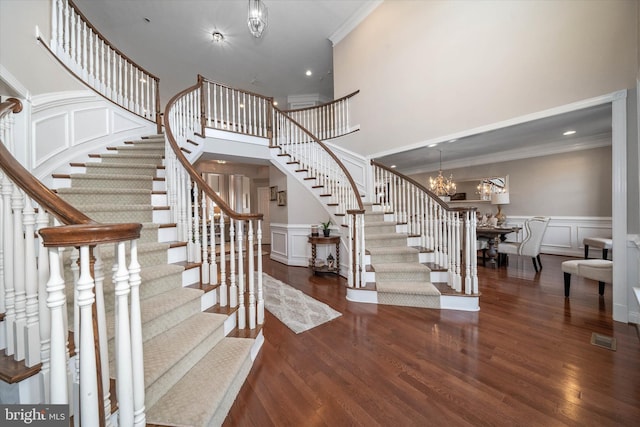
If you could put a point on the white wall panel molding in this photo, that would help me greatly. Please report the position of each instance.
(633, 277)
(67, 126)
(357, 165)
(564, 234)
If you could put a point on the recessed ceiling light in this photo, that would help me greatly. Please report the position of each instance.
(392, 166)
(435, 144)
(217, 37)
(569, 132)
(308, 73)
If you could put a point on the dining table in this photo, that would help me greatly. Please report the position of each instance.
(492, 234)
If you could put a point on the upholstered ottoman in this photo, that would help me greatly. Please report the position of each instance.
(594, 269)
(597, 242)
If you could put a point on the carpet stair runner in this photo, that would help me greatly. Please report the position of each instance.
(400, 277)
(186, 353)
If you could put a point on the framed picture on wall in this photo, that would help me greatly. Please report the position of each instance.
(282, 198)
(273, 193)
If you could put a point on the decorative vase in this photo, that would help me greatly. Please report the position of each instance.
(314, 231)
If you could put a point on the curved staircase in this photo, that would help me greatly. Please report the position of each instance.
(187, 352)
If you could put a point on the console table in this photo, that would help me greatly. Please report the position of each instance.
(321, 240)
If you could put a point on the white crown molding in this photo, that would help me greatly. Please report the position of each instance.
(354, 21)
(548, 149)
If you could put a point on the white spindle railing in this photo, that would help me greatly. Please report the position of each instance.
(34, 296)
(99, 64)
(234, 110)
(218, 236)
(338, 189)
(449, 233)
(325, 121)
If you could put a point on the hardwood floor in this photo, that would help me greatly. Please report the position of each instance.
(524, 359)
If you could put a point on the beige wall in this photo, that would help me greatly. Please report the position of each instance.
(569, 184)
(427, 69)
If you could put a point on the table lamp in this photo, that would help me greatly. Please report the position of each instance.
(500, 199)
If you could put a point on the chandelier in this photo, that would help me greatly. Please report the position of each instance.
(440, 185)
(257, 18)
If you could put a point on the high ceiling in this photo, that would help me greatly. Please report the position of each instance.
(173, 40)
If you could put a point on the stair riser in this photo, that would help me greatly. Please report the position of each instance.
(100, 169)
(403, 277)
(379, 229)
(121, 158)
(111, 182)
(118, 217)
(377, 259)
(115, 199)
(382, 243)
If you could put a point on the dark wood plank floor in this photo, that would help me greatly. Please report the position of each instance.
(524, 359)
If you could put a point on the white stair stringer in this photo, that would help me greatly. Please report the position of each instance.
(179, 338)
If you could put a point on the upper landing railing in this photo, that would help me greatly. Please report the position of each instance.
(325, 121)
(104, 68)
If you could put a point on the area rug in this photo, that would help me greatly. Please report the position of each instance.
(294, 308)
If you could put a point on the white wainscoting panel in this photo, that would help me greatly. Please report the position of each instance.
(357, 165)
(564, 234)
(89, 124)
(50, 136)
(290, 246)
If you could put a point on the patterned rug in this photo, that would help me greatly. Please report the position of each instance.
(294, 308)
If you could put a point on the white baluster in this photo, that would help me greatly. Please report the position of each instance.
(58, 393)
(88, 379)
(351, 279)
(233, 289)
(20, 301)
(124, 378)
(98, 274)
(224, 291)
(251, 278)
(242, 316)
(43, 311)
(260, 303)
(136, 338)
(196, 226)
(205, 268)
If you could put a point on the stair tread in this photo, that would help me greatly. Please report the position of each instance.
(392, 250)
(81, 190)
(228, 362)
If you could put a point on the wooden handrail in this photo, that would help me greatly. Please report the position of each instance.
(335, 101)
(433, 195)
(333, 156)
(89, 234)
(195, 176)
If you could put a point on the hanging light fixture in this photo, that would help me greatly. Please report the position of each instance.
(440, 185)
(257, 18)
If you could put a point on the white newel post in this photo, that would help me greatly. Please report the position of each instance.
(233, 289)
(251, 277)
(204, 268)
(32, 328)
(17, 204)
(224, 290)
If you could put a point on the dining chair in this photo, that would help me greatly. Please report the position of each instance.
(530, 246)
